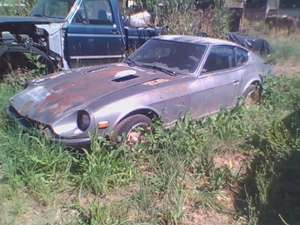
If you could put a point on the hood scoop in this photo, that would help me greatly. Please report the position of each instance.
(125, 75)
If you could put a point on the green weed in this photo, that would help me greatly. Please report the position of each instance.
(103, 168)
(174, 167)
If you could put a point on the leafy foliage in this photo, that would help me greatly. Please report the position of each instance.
(16, 7)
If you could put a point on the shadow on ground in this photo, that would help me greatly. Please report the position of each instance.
(276, 193)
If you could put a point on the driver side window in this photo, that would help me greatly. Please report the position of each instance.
(94, 12)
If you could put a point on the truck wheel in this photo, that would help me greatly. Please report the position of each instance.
(252, 95)
(131, 130)
(13, 58)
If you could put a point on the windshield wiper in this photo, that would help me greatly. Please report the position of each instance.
(169, 72)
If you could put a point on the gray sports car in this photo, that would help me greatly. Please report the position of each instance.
(168, 77)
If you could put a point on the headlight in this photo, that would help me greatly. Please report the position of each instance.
(83, 120)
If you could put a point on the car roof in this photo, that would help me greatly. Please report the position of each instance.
(195, 40)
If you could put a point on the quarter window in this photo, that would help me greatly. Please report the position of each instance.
(219, 58)
(241, 56)
(94, 12)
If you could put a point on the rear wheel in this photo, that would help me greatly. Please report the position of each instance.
(252, 95)
(132, 129)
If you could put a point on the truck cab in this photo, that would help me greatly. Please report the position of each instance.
(74, 33)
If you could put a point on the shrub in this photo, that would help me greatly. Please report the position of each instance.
(16, 7)
(213, 21)
(169, 6)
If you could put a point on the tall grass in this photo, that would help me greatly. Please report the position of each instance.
(173, 169)
(285, 48)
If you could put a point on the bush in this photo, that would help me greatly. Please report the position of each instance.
(214, 22)
(188, 23)
(16, 7)
(220, 22)
(169, 6)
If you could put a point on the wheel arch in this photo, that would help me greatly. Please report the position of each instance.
(9, 49)
(149, 112)
(256, 81)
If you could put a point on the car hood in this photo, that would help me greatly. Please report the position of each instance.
(47, 100)
(28, 20)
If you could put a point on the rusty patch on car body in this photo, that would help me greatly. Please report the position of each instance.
(59, 94)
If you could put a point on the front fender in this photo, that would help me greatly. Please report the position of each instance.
(138, 110)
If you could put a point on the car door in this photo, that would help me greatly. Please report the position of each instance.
(95, 34)
(217, 85)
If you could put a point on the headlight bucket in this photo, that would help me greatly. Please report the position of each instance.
(83, 120)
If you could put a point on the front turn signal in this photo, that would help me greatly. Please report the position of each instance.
(103, 125)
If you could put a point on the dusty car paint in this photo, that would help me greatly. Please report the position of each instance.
(111, 92)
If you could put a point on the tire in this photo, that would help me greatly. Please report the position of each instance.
(13, 57)
(252, 95)
(130, 124)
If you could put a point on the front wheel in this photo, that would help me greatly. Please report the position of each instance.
(131, 130)
(18, 59)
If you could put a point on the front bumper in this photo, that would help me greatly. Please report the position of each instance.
(73, 142)
(44, 129)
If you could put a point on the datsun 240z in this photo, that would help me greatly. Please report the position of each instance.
(166, 78)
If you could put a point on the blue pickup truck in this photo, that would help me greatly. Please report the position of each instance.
(69, 33)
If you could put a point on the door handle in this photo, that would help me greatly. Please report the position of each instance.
(236, 82)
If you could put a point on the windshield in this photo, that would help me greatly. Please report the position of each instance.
(52, 8)
(177, 57)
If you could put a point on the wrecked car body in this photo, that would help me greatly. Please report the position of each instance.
(258, 45)
(168, 77)
(70, 33)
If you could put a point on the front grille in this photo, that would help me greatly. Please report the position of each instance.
(26, 122)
